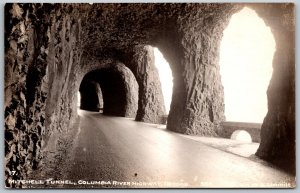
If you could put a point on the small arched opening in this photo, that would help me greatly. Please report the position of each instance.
(241, 135)
(112, 90)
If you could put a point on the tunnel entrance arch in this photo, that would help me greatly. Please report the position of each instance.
(246, 56)
(117, 88)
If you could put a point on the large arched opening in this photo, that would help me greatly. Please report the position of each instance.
(246, 56)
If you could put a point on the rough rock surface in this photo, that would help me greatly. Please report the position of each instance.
(197, 106)
(49, 48)
(26, 53)
(140, 59)
(278, 129)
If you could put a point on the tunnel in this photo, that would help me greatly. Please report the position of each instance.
(54, 51)
(90, 95)
(116, 86)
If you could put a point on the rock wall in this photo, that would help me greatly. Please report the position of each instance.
(278, 129)
(131, 89)
(140, 59)
(40, 50)
(100, 97)
(26, 51)
(197, 106)
(63, 61)
(49, 48)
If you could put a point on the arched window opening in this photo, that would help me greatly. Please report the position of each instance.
(241, 135)
(246, 55)
(165, 76)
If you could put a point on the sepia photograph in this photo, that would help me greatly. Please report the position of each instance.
(149, 95)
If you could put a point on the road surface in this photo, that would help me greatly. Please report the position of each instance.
(120, 152)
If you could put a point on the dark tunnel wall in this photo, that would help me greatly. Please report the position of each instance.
(89, 95)
(41, 50)
(278, 139)
(26, 88)
(50, 47)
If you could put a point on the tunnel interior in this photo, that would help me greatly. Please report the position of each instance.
(52, 51)
(116, 86)
(90, 95)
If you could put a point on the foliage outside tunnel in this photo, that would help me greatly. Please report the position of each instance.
(53, 49)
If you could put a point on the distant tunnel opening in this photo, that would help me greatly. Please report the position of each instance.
(90, 95)
(246, 55)
(113, 90)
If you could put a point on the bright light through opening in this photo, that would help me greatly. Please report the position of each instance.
(247, 50)
(241, 135)
(78, 99)
(165, 76)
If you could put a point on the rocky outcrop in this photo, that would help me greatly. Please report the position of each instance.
(140, 60)
(131, 89)
(40, 51)
(197, 106)
(278, 129)
(26, 52)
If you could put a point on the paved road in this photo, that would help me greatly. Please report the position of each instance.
(122, 150)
